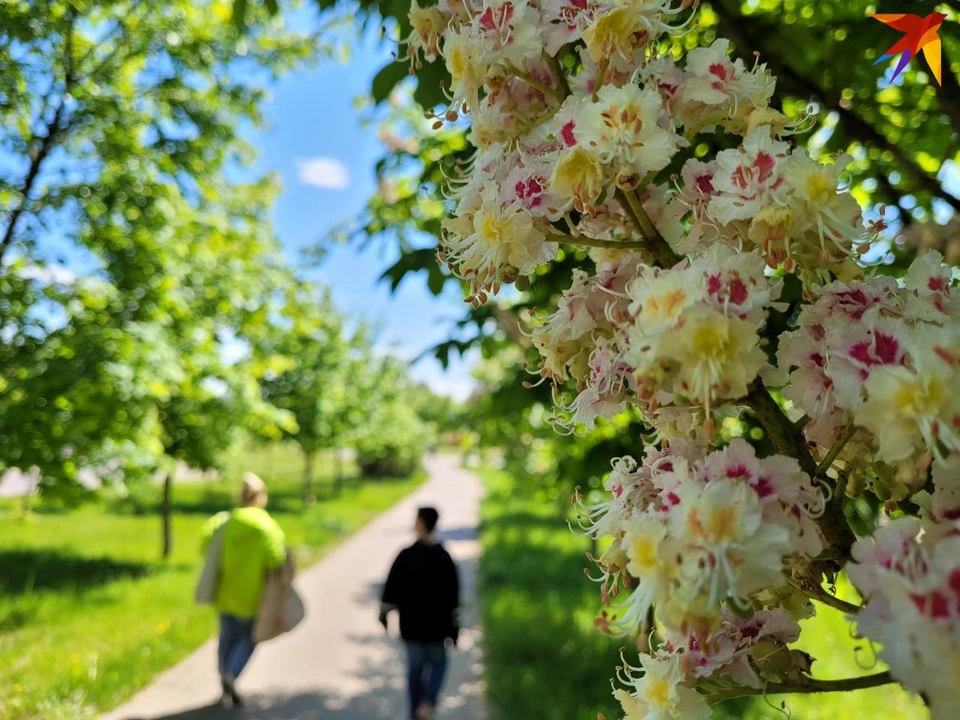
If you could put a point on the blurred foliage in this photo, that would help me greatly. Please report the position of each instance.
(312, 372)
(146, 312)
(129, 259)
(395, 438)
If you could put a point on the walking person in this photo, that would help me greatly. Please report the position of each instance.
(424, 588)
(243, 547)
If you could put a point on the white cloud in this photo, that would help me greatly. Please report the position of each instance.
(323, 172)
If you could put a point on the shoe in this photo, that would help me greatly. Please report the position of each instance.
(424, 712)
(229, 688)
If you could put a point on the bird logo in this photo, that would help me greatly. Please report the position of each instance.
(919, 34)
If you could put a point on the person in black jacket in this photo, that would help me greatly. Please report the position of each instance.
(424, 588)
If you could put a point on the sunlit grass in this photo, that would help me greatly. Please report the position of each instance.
(89, 612)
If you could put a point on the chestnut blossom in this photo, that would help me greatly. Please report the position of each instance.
(576, 118)
(912, 590)
(697, 532)
(657, 690)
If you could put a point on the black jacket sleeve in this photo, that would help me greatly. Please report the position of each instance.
(452, 589)
(393, 589)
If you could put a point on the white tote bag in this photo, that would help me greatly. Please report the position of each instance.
(281, 608)
(206, 591)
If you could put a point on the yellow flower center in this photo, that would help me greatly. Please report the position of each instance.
(915, 399)
(612, 32)
(658, 693)
(459, 65)
(643, 551)
(491, 228)
(820, 188)
(722, 524)
(578, 175)
(711, 339)
(718, 527)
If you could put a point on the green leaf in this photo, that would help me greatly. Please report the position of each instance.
(436, 280)
(272, 7)
(431, 79)
(239, 13)
(387, 79)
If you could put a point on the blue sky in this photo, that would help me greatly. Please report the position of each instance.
(315, 142)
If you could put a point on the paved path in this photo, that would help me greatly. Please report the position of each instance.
(339, 664)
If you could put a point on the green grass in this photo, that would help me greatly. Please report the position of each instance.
(545, 660)
(544, 657)
(89, 612)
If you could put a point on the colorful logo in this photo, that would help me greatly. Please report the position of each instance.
(919, 34)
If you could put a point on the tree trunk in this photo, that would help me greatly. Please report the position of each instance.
(337, 472)
(307, 475)
(167, 513)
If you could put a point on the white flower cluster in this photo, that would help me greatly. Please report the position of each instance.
(705, 537)
(913, 609)
(575, 111)
(885, 356)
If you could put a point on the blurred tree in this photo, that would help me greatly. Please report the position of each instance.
(121, 164)
(393, 438)
(441, 412)
(315, 364)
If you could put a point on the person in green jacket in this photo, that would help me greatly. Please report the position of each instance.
(253, 545)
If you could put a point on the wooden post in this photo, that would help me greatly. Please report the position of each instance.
(167, 513)
(308, 476)
(337, 472)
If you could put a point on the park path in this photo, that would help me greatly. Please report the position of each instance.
(339, 664)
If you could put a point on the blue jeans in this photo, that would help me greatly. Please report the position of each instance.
(236, 644)
(426, 666)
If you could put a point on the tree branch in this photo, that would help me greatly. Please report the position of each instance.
(817, 592)
(808, 685)
(788, 440)
(41, 146)
(803, 86)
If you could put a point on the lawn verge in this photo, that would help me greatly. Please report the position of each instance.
(88, 611)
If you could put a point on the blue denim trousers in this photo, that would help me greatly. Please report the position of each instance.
(426, 667)
(236, 644)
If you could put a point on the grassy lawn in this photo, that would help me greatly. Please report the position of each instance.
(545, 660)
(89, 612)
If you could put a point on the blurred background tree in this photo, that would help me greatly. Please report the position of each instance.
(148, 315)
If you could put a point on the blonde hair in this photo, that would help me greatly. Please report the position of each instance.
(254, 492)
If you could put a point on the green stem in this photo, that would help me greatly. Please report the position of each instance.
(808, 685)
(624, 199)
(828, 459)
(561, 77)
(597, 243)
(534, 83)
(820, 594)
(664, 252)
